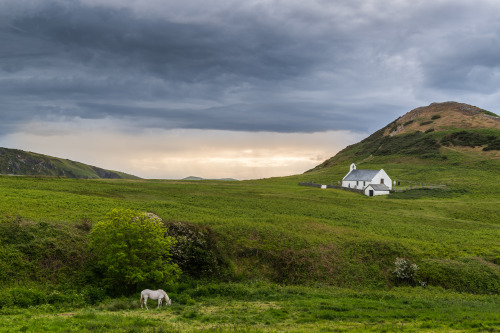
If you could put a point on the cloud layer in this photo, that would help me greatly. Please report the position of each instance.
(255, 66)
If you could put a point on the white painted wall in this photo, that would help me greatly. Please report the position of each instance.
(382, 175)
(368, 188)
(355, 184)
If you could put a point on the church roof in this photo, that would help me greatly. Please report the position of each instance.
(379, 187)
(361, 174)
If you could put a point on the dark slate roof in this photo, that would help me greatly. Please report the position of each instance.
(379, 187)
(361, 174)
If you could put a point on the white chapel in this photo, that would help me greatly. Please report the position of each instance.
(372, 182)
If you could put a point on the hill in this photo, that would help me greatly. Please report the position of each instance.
(200, 178)
(430, 132)
(19, 162)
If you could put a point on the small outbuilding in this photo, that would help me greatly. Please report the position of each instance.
(376, 189)
(371, 182)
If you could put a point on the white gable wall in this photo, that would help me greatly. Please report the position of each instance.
(382, 175)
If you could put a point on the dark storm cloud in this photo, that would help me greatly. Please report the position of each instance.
(242, 117)
(116, 40)
(268, 66)
(470, 63)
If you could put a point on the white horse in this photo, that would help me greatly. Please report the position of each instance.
(154, 294)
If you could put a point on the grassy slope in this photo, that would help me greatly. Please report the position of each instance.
(278, 228)
(18, 162)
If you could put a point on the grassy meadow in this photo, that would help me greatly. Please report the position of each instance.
(301, 258)
(261, 307)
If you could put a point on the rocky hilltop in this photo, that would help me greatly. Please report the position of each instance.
(443, 117)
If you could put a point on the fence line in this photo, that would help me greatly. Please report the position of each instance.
(331, 186)
(414, 186)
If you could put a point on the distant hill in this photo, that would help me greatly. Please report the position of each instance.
(427, 133)
(19, 162)
(199, 178)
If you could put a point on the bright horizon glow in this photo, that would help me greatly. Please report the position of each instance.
(176, 154)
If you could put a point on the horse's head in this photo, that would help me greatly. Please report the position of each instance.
(168, 301)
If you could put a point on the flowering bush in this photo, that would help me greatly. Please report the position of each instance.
(405, 270)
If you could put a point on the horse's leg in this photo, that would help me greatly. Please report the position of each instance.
(146, 301)
(159, 302)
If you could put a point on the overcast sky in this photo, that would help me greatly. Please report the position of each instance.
(228, 88)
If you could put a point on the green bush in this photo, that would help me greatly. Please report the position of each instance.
(423, 123)
(133, 251)
(197, 252)
(93, 294)
(436, 116)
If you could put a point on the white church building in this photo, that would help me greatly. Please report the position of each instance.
(371, 182)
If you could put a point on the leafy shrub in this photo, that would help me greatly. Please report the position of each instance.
(133, 250)
(436, 116)
(429, 130)
(405, 270)
(423, 123)
(93, 294)
(197, 251)
(408, 122)
(25, 297)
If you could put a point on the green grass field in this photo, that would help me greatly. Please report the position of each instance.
(261, 307)
(302, 258)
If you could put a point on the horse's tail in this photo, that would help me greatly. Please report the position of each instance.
(141, 301)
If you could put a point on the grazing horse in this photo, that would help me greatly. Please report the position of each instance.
(154, 294)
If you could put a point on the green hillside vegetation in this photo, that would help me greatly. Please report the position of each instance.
(269, 255)
(433, 145)
(19, 162)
